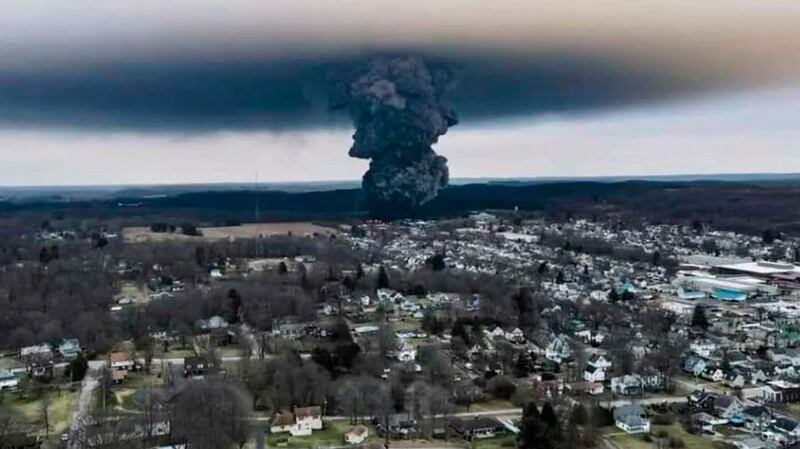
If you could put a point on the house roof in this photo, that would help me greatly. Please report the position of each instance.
(724, 401)
(283, 419)
(358, 430)
(119, 357)
(785, 424)
(622, 413)
(477, 423)
(305, 412)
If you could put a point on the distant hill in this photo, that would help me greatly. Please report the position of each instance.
(746, 206)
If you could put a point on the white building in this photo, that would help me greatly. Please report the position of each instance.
(356, 435)
(8, 381)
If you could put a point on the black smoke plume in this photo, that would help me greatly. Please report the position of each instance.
(399, 106)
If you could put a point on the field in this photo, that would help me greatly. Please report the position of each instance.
(622, 440)
(138, 234)
(508, 440)
(62, 407)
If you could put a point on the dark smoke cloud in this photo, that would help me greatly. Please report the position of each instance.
(399, 106)
(290, 93)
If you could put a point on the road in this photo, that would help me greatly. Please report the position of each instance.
(89, 383)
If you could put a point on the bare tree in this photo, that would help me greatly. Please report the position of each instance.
(44, 413)
(212, 414)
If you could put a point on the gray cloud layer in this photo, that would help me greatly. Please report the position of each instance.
(211, 65)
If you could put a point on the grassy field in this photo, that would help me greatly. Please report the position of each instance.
(10, 363)
(508, 440)
(132, 291)
(625, 441)
(331, 435)
(62, 407)
(137, 234)
(492, 404)
(175, 351)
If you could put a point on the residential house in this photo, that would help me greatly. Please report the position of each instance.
(8, 381)
(515, 336)
(781, 391)
(756, 418)
(713, 374)
(702, 400)
(594, 374)
(356, 435)
(727, 406)
(398, 425)
(215, 322)
(406, 352)
(786, 356)
(695, 365)
(495, 333)
(631, 419)
(40, 366)
(118, 375)
(558, 349)
(37, 350)
(282, 422)
(69, 348)
(121, 360)
(735, 379)
(310, 417)
(302, 422)
(707, 422)
(590, 388)
(788, 427)
(475, 428)
(703, 348)
(197, 366)
(599, 361)
(631, 384)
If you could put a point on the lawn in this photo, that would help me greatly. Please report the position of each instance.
(508, 440)
(331, 435)
(10, 363)
(62, 407)
(492, 404)
(175, 351)
(625, 441)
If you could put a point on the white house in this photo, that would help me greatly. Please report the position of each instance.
(389, 295)
(703, 348)
(356, 435)
(594, 374)
(302, 422)
(631, 419)
(215, 322)
(8, 381)
(497, 332)
(406, 352)
(120, 360)
(558, 349)
(42, 349)
(310, 417)
(599, 361)
(515, 336)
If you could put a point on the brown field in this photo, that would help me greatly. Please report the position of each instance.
(138, 234)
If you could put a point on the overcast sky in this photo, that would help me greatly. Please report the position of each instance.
(200, 91)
